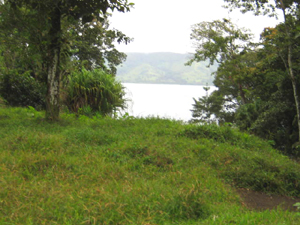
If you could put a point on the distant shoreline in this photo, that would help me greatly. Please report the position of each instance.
(164, 68)
(204, 85)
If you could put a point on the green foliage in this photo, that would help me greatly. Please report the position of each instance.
(50, 38)
(91, 45)
(255, 91)
(2, 102)
(247, 114)
(225, 43)
(279, 56)
(21, 89)
(218, 41)
(298, 207)
(223, 134)
(260, 7)
(210, 109)
(88, 92)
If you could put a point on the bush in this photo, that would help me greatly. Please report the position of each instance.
(211, 131)
(2, 102)
(94, 90)
(21, 89)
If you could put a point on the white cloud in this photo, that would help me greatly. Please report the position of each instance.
(165, 25)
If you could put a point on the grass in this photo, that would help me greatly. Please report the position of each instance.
(134, 171)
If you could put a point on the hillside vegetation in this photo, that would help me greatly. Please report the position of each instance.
(164, 68)
(135, 171)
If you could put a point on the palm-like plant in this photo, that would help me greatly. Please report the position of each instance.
(95, 89)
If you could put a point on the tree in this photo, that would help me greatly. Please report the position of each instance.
(210, 108)
(223, 43)
(91, 45)
(21, 66)
(290, 9)
(272, 112)
(52, 14)
(218, 41)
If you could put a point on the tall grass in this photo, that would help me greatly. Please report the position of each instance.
(84, 170)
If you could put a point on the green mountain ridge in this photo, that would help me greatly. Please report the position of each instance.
(164, 68)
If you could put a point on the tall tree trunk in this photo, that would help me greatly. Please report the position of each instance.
(53, 71)
(290, 68)
(242, 94)
(294, 84)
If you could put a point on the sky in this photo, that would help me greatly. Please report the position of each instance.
(165, 25)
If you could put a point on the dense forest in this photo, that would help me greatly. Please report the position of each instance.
(61, 54)
(164, 68)
(258, 83)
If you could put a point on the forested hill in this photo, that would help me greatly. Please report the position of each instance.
(164, 68)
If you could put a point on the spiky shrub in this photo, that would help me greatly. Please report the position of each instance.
(96, 90)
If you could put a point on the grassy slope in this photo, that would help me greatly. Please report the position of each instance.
(134, 171)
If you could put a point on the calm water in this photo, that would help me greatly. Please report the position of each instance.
(163, 100)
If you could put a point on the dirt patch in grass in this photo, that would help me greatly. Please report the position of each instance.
(261, 201)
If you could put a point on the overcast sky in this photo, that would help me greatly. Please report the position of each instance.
(165, 25)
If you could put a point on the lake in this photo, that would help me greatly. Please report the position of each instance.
(163, 100)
